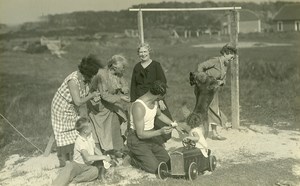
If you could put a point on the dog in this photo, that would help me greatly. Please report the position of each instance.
(205, 88)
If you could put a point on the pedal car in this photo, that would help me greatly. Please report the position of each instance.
(187, 161)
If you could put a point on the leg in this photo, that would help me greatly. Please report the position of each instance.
(66, 174)
(101, 169)
(61, 157)
(147, 161)
(160, 153)
(117, 139)
(69, 152)
(214, 129)
(215, 134)
(142, 154)
(88, 173)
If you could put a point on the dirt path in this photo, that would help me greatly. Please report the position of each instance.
(256, 143)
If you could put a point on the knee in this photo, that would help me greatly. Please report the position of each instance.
(151, 167)
(94, 172)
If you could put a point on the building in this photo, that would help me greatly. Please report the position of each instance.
(287, 18)
(249, 22)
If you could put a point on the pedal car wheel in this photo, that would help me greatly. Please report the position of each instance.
(212, 163)
(162, 171)
(193, 171)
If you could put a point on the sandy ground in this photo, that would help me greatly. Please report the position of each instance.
(244, 145)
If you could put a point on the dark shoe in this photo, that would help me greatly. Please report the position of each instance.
(218, 137)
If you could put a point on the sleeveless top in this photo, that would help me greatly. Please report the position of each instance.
(148, 118)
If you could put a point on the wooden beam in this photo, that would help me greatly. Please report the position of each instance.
(234, 68)
(140, 26)
(182, 9)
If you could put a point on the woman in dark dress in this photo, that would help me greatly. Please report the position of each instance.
(144, 74)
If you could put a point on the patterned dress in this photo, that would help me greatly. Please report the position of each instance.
(64, 113)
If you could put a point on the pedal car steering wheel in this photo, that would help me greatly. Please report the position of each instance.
(188, 143)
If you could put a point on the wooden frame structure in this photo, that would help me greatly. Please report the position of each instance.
(233, 20)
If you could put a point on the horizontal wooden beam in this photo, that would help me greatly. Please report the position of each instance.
(181, 9)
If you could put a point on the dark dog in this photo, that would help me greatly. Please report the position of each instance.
(205, 88)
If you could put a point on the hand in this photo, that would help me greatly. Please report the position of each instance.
(125, 90)
(162, 105)
(180, 129)
(174, 124)
(107, 159)
(220, 82)
(125, 98)
(95, 94)
(166, 130)
(186, 140)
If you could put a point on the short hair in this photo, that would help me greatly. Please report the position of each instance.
(158, 88)
(228, 49)
(80, 124)
(194, 120)
(146, 45)
(89, 67)
(115, 59)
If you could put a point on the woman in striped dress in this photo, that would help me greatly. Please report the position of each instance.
(73, 93)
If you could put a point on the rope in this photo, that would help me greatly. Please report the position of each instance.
(20, 133)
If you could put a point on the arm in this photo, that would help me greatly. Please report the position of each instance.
(202, 67)
(193, 136)
(97, 151)
(162, 117)
(133, 87)
(105, 94)
(74, 90)
(160, 73)
(161, 76)
(138, 113)
(89, 158)
(125, 87)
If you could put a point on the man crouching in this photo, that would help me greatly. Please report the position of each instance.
(144, 151)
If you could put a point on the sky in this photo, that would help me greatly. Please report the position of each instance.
(20, 11)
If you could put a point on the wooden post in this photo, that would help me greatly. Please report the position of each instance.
(140, 25)
(229, 18)
(235, 115)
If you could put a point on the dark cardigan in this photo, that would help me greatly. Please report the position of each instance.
(142, 78)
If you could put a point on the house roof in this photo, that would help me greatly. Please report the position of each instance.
(288, 12)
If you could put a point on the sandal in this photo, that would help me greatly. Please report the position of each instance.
(218, 137)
